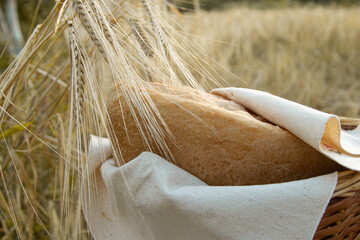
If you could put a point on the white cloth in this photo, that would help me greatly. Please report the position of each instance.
(150, 198)
(320, 130)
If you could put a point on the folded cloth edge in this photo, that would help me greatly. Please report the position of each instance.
(324, 127)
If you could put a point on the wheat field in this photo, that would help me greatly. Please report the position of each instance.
(307, 54)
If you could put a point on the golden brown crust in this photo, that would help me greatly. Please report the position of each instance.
(223, 144)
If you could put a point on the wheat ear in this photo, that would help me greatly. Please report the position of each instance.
(154, 23)
(65, 5)
(83, 15)
(140, 37)
(99, 16)
(77, 75)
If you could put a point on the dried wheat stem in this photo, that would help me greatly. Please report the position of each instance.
(77, 74)
(140, 37)
(82, 13)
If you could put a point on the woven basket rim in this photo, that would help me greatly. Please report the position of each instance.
(348, 181)
(342, 217)
(348, 184)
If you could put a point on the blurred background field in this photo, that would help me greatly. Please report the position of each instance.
(307, 54)
(306, 51)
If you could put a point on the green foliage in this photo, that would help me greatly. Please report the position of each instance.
(29, 17)
(14, 129)
(27, 11)
(5, 59)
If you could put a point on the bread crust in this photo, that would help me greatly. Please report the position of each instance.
(219, 141)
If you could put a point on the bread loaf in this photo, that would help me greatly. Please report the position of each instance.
(219, 141)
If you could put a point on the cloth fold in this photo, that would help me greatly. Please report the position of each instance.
(150, 198)
(320, 130)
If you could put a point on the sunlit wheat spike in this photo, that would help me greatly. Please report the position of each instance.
(34, 35)
(101, 20)
(140, 37)
(77, 74)
(83, 15)
(154, 23)
(65, 5)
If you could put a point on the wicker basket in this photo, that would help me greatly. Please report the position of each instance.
(341, 219)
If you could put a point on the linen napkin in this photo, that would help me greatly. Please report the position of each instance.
(150, 198)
